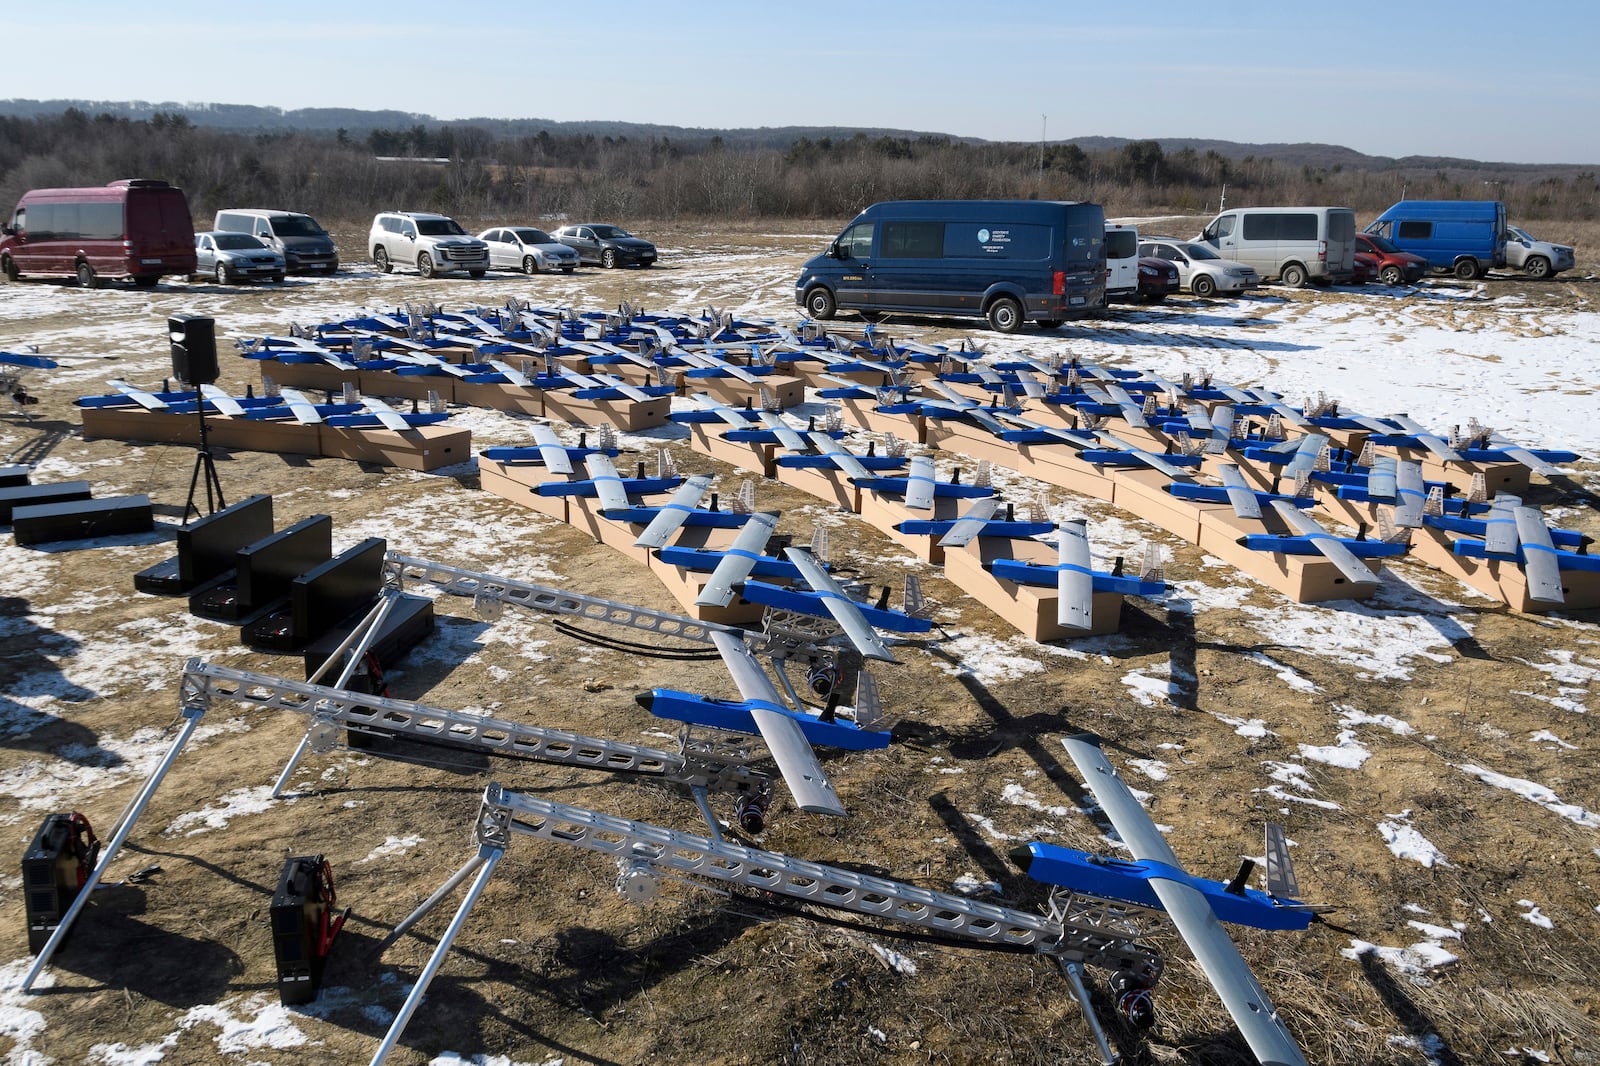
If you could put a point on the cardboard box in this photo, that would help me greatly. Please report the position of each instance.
(1143, 492)
(492, 478)
(826, 483)
(884, 512)
(864, 412)
(423, 448)
(786, 390)
(707, 439)
(627, 416)
(136, 423)
(497, 396)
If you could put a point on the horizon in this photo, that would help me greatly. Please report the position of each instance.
(1310, 76)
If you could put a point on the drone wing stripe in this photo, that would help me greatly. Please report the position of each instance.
(919, 484)
(1074, 579)
(1539, 557)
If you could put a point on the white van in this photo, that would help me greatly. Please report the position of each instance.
(1122, 261)
(1294, 245)
(303, 243)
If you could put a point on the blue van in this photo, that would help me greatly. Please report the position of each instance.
(1007, 261)
(1464, 236)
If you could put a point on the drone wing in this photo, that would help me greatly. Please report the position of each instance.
(512, 374)
(673, 514)
(1409, 494)
(842, 459)
(1382, 479)
(390, 418)
(607, 482)
(841, 606)
(1500, 525)
(222, 401)
(1252, 1010)
(1150, 459)
(788, 437)
(808, 784)
(302, 409)
(971, 522)
(1427, 440)
(1539, 557)
(738, 560)
(1331, 548)
(552, 452)
(1243, 498)
(149, 401)
(919, 484)
(1074, 578)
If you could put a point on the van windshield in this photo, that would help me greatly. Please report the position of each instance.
(440, 227)
(297, 226)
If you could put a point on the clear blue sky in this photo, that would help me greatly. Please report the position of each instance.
(1513, 82)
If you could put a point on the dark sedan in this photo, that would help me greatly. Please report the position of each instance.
(610, 246)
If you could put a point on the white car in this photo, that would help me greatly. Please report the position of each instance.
(232, 257)
(527, 249)
(1200, 269)
(428, 243)
(1535, 258)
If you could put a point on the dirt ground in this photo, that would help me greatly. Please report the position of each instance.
(554, 966)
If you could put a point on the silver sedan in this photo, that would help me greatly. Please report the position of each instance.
(233, 257)
(529, 250)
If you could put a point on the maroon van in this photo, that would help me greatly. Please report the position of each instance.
(135, 228)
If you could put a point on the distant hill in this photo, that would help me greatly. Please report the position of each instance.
(248, 118)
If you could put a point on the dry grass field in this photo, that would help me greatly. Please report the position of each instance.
(1361, 728)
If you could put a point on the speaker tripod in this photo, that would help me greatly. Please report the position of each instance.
(204, 467)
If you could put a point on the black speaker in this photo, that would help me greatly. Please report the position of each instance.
(194, 348)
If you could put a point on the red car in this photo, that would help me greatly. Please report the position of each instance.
(1158, 278)
(1364, 268)
(1394, 266)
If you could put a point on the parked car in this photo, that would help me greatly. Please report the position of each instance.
(610, 246)
(1464, 237)
(307, 247)
(1200, 269)
(529, 250)
(1158, 279)
(1364, 268)
(1536, 258)
(427, 242)
(1394, 266)
(232, 257)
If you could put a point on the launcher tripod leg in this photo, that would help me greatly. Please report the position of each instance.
(1074, 977)
(357, 643)
(486, 859)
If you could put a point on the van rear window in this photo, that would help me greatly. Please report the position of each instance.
(1121, 243)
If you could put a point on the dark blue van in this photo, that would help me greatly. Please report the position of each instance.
(1007, 261)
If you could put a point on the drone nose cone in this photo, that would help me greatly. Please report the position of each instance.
(1022, 855)
(645, 699)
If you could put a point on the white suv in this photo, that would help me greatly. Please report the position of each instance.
(427, 242)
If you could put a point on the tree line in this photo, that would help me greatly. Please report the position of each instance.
(345, 178)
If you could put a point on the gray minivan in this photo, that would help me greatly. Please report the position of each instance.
(305, 245)
(1291, 244)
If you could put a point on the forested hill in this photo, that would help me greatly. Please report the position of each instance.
(357, 125)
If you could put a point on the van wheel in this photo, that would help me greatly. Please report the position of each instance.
(87, 277)
(224, 276)
(1005, 315)
(476, 273)
(819, 303)
(530, 265)
(8, 266)
(425, 265)
(381, 258)
(1050, 323)
(1467, 269)
(146, 281)
(1537, 267)
(278, 278)
(1203, 286)
(1392, 275)
(1294, 276)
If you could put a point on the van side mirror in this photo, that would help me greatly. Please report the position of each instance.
(838, 251)
(8, 229)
